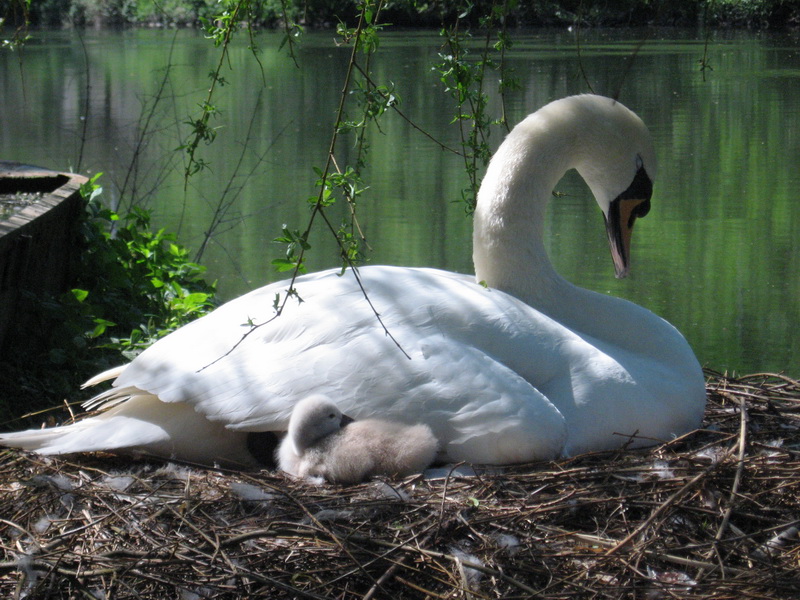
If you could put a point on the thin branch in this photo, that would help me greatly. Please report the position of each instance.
(143, 131)
(201, 127)
(318, 209)
(723, 526)
(403, 116)
(630, 65)
(225, 203)
(580, 56)
(87, 90)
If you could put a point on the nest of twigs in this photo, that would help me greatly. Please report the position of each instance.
(714, 514)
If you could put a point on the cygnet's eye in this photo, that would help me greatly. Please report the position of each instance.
(332, 415)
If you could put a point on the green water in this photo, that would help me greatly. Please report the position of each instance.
(718, 256)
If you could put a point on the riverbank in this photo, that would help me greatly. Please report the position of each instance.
(752, 14)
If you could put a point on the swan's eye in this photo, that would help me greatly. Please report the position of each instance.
(641, 188)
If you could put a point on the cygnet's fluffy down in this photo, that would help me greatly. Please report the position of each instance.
(320, 443)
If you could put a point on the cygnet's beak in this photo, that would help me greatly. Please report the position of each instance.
(622, 214)
(346, 420)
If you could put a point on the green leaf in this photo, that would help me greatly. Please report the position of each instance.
(100, 327)
(196, 298)
(282, 265)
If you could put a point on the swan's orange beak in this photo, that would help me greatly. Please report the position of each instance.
(622, 214)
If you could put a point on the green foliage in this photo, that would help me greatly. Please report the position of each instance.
(755, 14)
(465, 78)
(113, 13)
(294, 15)
(135, 285)
(19, 13)
(220, 28)
(175, 13)
(296, 245)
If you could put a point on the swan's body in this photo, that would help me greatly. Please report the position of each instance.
(526, 366)
(318, 445)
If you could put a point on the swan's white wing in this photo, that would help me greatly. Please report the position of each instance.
(471, 355)
(496, 380)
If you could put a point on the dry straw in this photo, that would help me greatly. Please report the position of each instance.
(714, 514)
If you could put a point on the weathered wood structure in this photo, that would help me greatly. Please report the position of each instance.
(38, 244)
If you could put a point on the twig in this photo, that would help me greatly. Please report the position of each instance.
(455, 559)
(669, 502)
(403, 116)
(734, 487)
(86, 105)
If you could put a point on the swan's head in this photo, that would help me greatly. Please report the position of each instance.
(617, 161)
(611, 149)
(314, 418)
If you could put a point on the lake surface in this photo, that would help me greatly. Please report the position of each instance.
(718, 256)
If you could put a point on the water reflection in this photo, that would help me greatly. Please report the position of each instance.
(718, 256)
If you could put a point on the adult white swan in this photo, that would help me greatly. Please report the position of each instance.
(524, 366)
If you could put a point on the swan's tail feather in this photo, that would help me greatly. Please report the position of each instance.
(143, 424)
(35, 440)
(112, 373)
(110, 398)
(89, 435)
(122, 427)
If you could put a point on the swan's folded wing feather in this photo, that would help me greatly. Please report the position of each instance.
(146, 425)
(461, 348)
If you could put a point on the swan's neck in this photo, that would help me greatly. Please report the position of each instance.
(508, 245)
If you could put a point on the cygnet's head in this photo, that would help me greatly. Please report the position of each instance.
(313, 418)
